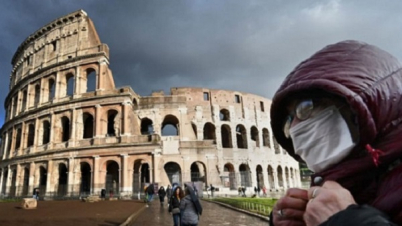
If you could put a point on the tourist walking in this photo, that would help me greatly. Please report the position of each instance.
(149, 192)
(190, 208)
(161, 194)
(174, 205)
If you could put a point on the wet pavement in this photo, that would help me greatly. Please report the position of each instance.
(213, 215)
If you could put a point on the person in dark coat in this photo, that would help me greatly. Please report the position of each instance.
(340, 112)
(190, 208)
(150, 192)
(174, 204)
(161, 194)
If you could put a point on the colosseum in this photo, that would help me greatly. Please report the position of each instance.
(69, 131)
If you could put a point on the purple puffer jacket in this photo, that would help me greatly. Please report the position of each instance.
(370, 80)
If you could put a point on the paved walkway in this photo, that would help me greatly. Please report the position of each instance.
(213, 215)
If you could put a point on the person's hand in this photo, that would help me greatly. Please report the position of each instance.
(326, 201)
(289, 209)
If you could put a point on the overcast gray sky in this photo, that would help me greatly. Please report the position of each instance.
(247, 46)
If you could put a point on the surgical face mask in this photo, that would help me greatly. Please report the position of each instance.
(322, 140)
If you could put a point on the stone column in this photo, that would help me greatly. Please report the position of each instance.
(186, 169)
(96, 174)
(5, 143)
(8, 180)
(124, 174)
(71, 177)
(37, 136)
(31, 181)
(125, 122)
(14, 136)
(276, 182)
(72, 140)
(98, 116)
(18, 182)
(49, 178)
(1, 180)
(57, 86)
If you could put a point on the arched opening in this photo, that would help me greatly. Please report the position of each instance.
(135, 104)
(209, 131)
(140, 176)
(63, 177)
(25, 182)
(24, 100)
(224, 115)
(280, 177)
(229, 170)
(170, 126)
(245, 176)
(241, 136)
(147, 126)
(198, 172)
(111, 123)
(173, 172)
(265, 138)
(255, 136)
(226, 136)
(46, 132)
(112, 178)
(18, 139)
(88, 120)
(85, 185)
(91, 80)
(31, 135)
(42, 181)
(52, 90)
(37, 95)
(65, 124)
(271, 179)
(70, 84)
(13, 187)
(260, 177)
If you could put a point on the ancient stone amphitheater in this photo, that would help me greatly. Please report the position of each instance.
(69, 131)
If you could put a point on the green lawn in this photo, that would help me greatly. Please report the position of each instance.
(257, 205)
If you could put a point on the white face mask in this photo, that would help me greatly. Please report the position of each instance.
(323, 140)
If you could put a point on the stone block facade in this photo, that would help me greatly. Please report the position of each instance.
(70, 132)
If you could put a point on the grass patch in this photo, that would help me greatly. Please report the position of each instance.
(261, 206)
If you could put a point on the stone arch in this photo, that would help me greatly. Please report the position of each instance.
(241, 136)
(42, 180)
(260, 176)
(135, 104)
(65, 129)
(280, 176)
(209, 131)
(173, 171)
(198, 172)
(31, 135)
(112, 179)
(224, 115)
(18, 139)
(170, 126)
(271, 178)
(90, 80)
(13, 187)
(146, 126)
(88, 121)
(254, 134)
(62, 180)
(37, 95)
(86, 178)
(265, 138)
(226, 136)
(141, 175)
(46, 132)
(112, 123)
(245, 176)
(70, 84)
(25, 182)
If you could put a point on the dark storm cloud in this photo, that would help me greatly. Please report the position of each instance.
(239, 45)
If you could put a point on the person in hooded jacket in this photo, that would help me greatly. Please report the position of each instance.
(161, 194)
(340, 111)
(189, 212)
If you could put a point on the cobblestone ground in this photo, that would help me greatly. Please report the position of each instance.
(213, 215)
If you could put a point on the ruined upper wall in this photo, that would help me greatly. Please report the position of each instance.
(66, 39)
